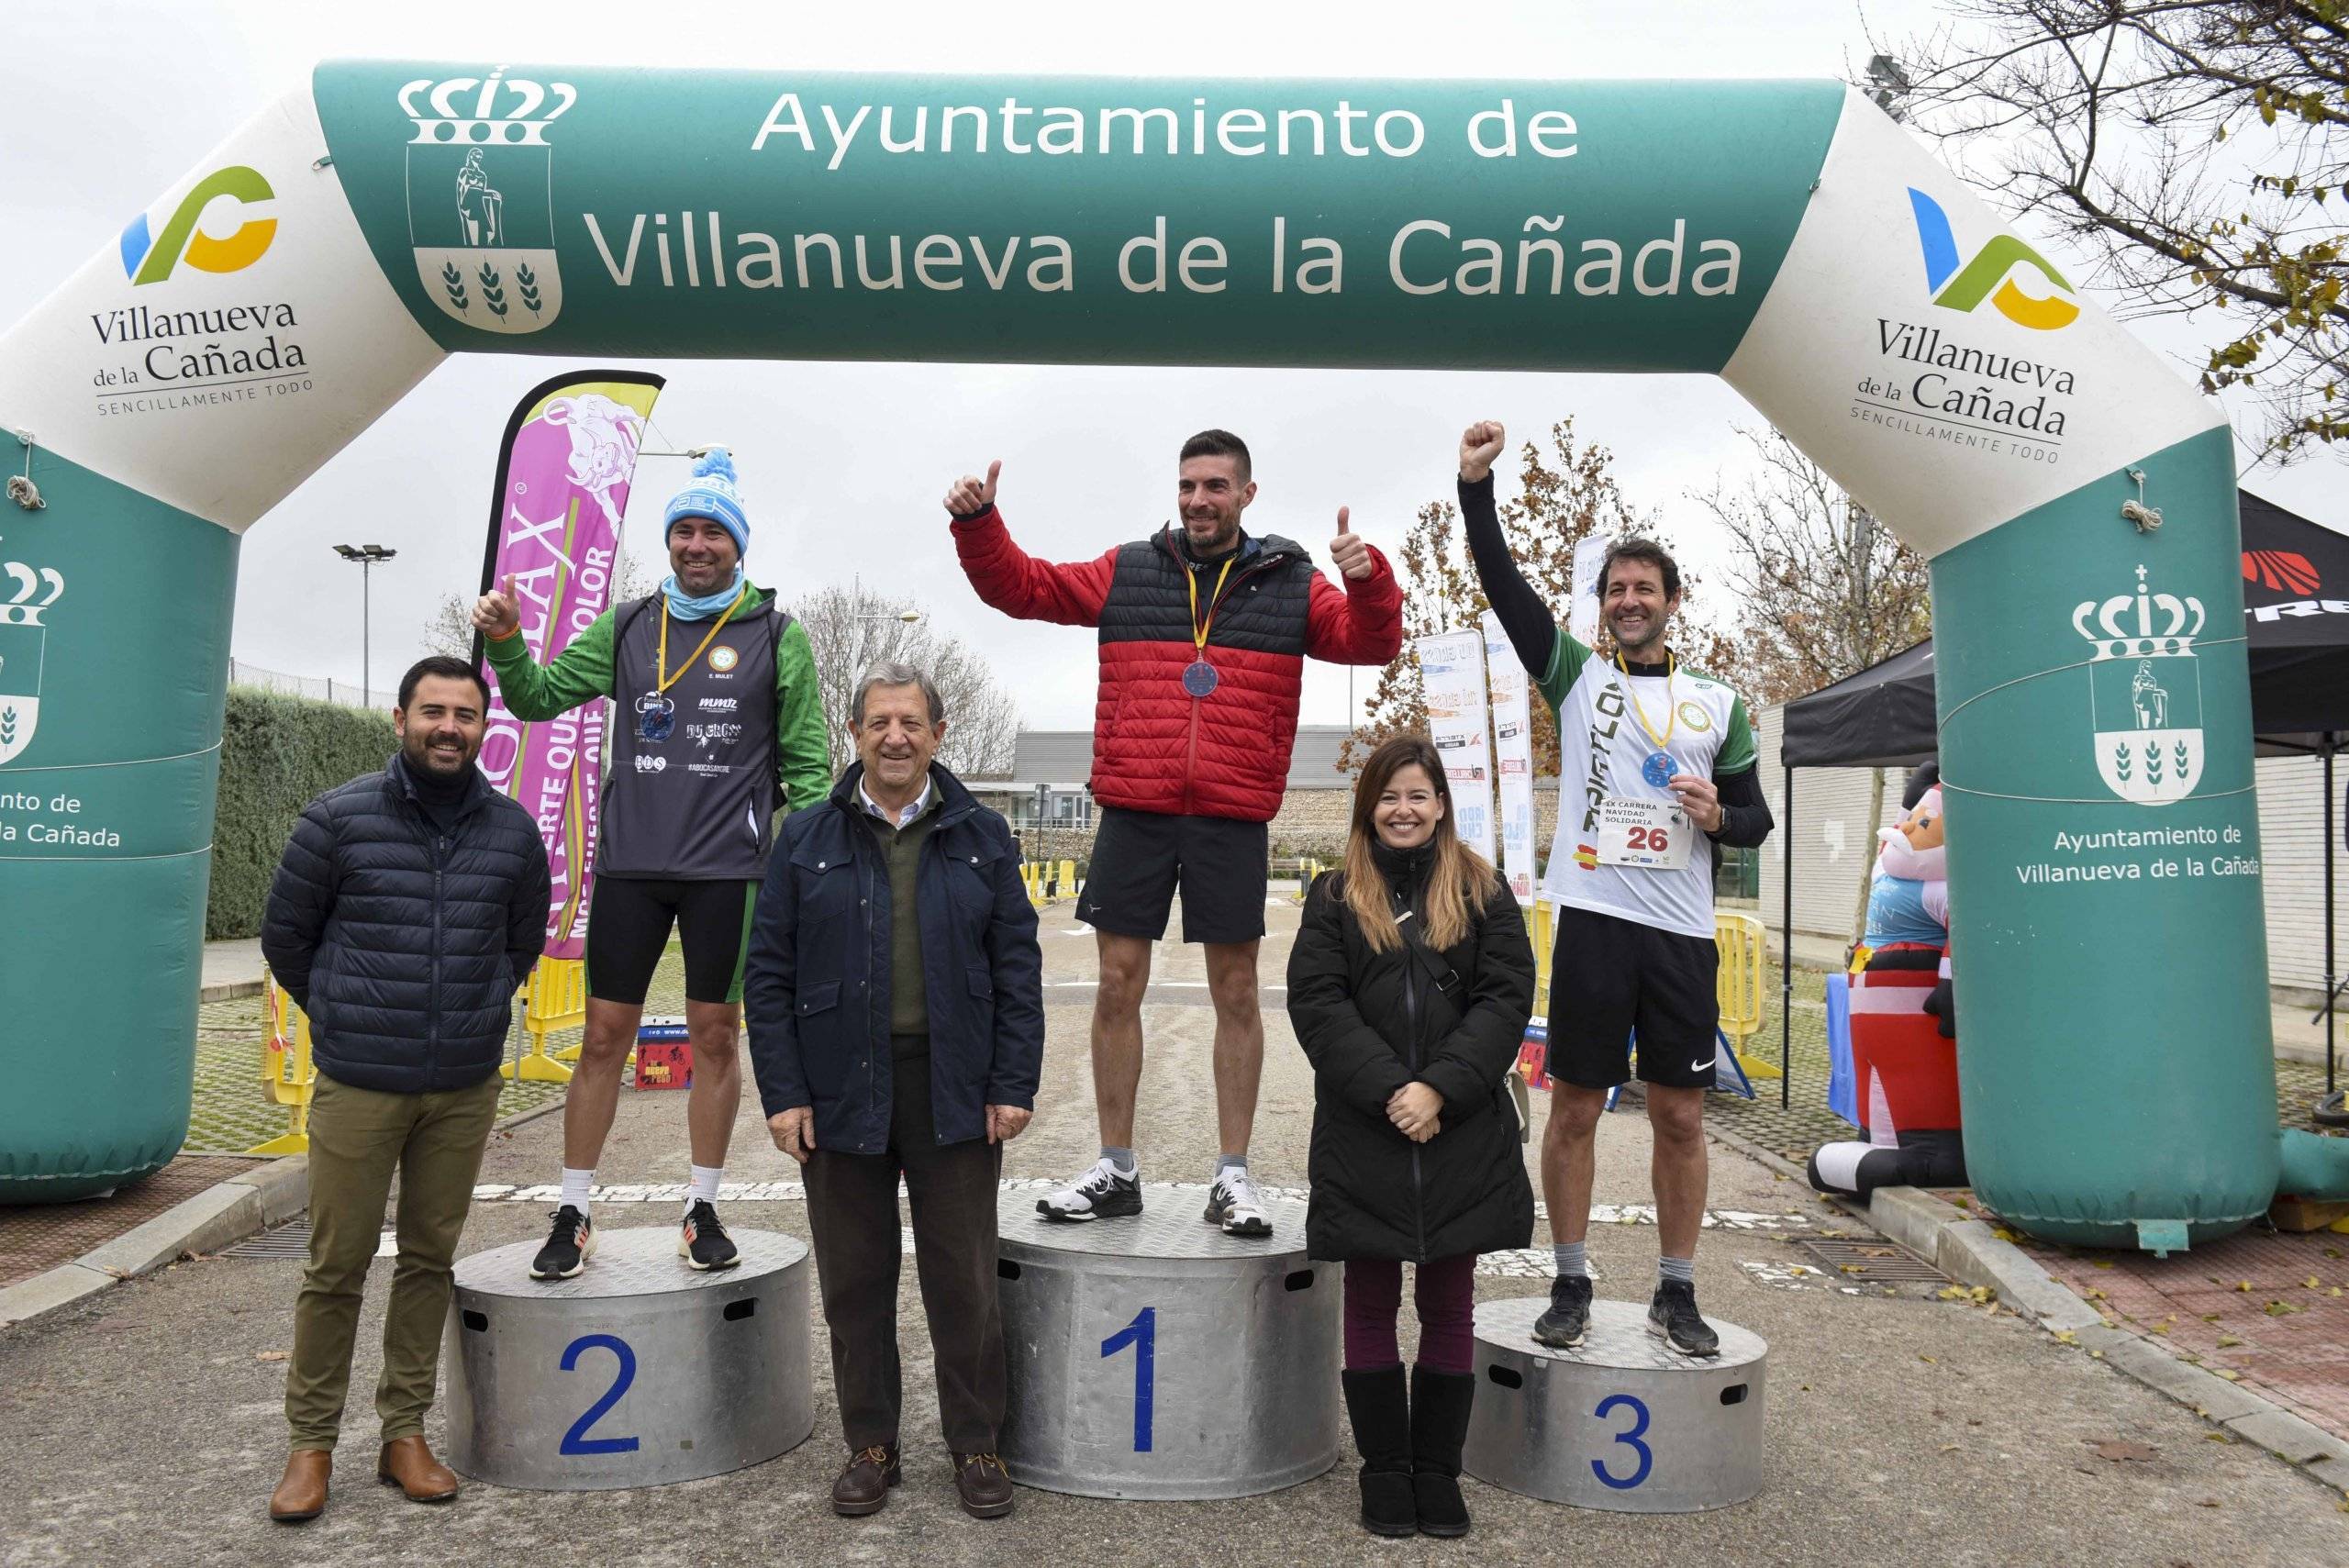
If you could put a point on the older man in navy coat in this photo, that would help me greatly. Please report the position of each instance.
(895, 1007)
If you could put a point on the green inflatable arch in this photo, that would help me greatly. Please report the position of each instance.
(2118, 1083)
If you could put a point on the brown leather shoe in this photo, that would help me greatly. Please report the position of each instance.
(864, 1485)
(302, 1495)
(983, 1485)
(408, 1464)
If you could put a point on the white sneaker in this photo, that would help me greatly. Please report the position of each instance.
(1232, 1204)
(1102, 1193)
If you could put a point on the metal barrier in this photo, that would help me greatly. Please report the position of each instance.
(554, 999)
(287, 1070)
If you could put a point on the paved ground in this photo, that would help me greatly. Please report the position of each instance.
(2264, 1310)
(145, 1427)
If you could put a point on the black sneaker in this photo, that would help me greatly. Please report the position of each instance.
(1673, 1318)
(568, 1248)
(702, 1242)
(1569, 1316)
(1103, 1193)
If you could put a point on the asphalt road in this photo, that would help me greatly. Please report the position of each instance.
(145, 1425)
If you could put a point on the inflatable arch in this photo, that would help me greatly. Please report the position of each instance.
(1786, 236)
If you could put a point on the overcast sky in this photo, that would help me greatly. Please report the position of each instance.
(843, 464)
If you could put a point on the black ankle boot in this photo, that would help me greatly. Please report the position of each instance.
(1440, 1404)
(1377, 1403)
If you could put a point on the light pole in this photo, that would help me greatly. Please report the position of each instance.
(366, 555)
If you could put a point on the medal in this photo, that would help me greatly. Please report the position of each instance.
(656, 717)
(1657, 768)
(1199, 677)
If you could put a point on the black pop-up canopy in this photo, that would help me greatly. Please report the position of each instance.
(2295, 619)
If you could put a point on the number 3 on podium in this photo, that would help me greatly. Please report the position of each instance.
(1629, 1440)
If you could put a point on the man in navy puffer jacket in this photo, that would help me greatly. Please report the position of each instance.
(409, 906)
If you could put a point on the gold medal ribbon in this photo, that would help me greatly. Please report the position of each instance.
(662, 678)
(1191, 580)
(1671, 714)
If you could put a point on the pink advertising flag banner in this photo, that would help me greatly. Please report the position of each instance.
(562, 484)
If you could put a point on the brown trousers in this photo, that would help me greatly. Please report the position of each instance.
(359, 1139)
(852, 1214)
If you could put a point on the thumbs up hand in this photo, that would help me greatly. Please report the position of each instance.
(1348, 552)
(499, 616)
(968, 496)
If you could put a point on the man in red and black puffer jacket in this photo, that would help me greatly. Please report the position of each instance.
(1205, 631)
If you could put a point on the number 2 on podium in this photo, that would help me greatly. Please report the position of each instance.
(576, 1440)
(1143, 1335)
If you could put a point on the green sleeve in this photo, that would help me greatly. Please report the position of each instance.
(1738, 752)
(533, 691)
(803, 753)
(1567, 656)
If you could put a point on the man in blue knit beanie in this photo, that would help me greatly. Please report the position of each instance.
(703, 764)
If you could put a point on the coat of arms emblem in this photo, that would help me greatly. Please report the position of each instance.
(481, 197)
(28, 592)
(2144, 692)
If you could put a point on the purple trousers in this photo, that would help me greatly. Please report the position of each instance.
(1445, 1294)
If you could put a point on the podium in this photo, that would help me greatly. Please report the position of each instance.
(637, 1373)
(1157, 1357)
(1622, 1421)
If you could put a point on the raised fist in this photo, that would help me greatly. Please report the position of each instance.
(499, 616)
(1480, 447)
(1348, 552)
(968, 496)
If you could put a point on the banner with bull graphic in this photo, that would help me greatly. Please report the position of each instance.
(554, 529)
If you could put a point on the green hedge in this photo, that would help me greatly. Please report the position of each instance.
(277, 753)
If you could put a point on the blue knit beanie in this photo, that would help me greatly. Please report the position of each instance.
(712, 494)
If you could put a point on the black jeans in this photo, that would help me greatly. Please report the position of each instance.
(852, 1213)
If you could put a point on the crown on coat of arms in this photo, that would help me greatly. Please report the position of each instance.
(2141, 625)
(493, 110)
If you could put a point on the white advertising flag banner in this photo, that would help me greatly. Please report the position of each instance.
(1582, 615)
(1451, 667)
(1513, 757)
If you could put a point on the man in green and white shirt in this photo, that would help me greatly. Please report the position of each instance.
(720, 729)
(1656, 766)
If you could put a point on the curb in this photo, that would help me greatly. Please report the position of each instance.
(232, 991)
(221, 1214)
(1965, 1248)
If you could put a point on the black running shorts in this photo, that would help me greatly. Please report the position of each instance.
(1612, 979)
(628, 930)
(1140, 857)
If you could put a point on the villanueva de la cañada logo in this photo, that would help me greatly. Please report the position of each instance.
(2144, 692)
(481, 197)
(149, 258)
(25, 592)
(1964, 288)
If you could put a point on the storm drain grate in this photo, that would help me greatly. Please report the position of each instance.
(285, 1241)
(1873, 1262)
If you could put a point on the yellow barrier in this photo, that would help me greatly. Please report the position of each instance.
(1068, 879)
(554, 999)
(287, 1070)
(1739, 938)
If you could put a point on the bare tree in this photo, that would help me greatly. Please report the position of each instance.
(1823, 589)
(2191, 147)
(853, 628)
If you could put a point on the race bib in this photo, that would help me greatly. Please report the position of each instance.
(1652, 835)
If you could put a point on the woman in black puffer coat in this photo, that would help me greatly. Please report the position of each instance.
(1409, 987)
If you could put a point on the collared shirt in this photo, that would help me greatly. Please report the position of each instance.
(872, 809)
